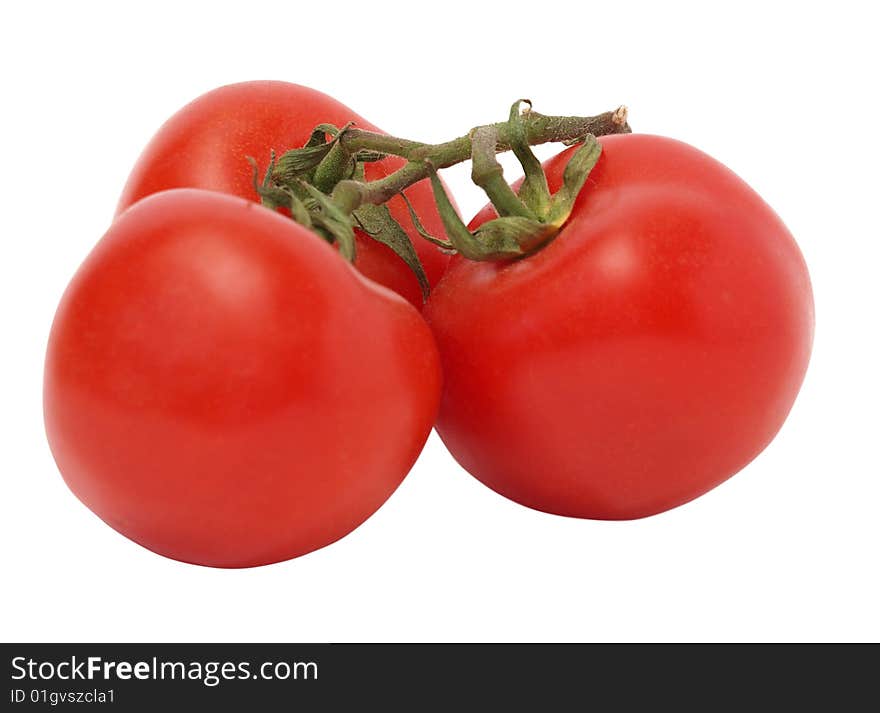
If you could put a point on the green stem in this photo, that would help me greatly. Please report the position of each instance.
(534, 190)
(423, 159)
(487, 173)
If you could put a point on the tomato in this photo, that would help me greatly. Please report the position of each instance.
(224, 389)
(645, 355)
(206, 145)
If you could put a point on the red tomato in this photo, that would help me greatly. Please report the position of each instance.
(649, 352)
(206, 143)
(224, 389)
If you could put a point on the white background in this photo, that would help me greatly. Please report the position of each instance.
(784, 94)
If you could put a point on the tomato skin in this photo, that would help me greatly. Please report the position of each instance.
(648, 353)
(205, 145)
(222, 388)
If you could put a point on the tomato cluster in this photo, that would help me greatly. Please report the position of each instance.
(224, 389)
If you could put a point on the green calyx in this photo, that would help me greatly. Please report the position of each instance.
(323, 186)
(528, 219)
(304, 181)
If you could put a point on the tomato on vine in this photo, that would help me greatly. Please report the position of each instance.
(646, 353)
(207, 144)
(620, 332)
(224, 389)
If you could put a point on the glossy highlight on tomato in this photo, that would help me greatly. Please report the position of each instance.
(224, 389)
(206, 145)
(645, 355)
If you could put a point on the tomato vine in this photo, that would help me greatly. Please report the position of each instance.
(322, 183)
